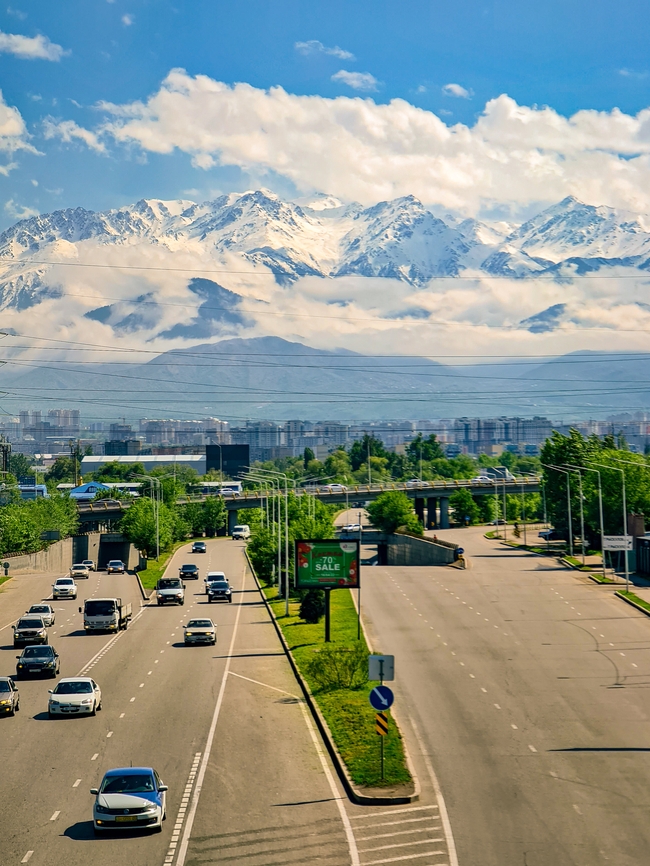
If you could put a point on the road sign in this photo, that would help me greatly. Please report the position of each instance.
(327, 563)
(617, 542)
(460, 551)
(381, 724)
(381, 698)
(381, 668)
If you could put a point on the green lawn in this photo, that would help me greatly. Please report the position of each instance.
(635, 598)
(4, 579)
(348, 713)
(155, 570)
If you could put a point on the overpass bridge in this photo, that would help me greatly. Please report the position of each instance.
(431, 497)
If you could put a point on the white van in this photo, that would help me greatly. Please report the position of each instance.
(242, 531)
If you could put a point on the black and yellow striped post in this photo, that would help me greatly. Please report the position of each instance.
(381, 727)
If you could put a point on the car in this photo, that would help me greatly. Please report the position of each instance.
(416, 482)
(37, 660)
(358, 504)
(30, 629)
(499, 522)
(80, 571)
(45, 611)
(199, 547)
(351, 527)
(242, 531)
(74, 696)
(170, 589)
(481, 479)
(200, 631)
(334, 488)
(218, 589)
(188, 572)
(129, 797)
(212, 576)
(9, 697)
(90, 564)
(552, 535)
(115, 566)
(64, 587)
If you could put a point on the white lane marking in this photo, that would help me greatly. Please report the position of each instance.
(392, 823)
(26, 857)
(406, 857)
(95, 756)
(171, 850)
(497, 706)
(577, 808)
(472, 676)
(141, 685)
(77, 783)
(266, 685)
(156, 661)
(131, 700)
(122, 715)
(532, 748)
(109, 734)
(55, 816)
(444, 815)
(409, 832)
(393, 812)
(484, 690)
(514, 727)
(400, 845)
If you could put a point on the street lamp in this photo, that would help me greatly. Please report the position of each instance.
(286, 530)
(578, 469)
(622, 471)
(568, 500)
(156, 505)
(273, 481)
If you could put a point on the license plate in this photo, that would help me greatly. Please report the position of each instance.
(36, 670)
(124, 818)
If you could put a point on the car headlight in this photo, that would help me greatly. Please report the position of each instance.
(87, 701)
(4, 703)
(150, 810)
(99, 808)
(53, 703)
(20, 666)
(189, 633)
(50, 664)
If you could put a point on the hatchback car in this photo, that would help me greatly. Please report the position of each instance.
(74, 696)
(188, 572)
(200, 631)
(45, 611)
(199, 547)
(129, 797)
(334, 488)
(90, 564)
(64, 587)
(9, 697)
(30, 630)
(38, 660)
(115, 566)
(79, 571)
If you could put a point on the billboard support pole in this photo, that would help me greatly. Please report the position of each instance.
(327, 592)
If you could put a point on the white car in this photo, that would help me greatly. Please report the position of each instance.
(74, 696)
(351, 527)
(200, 631)
(64, 587)
(481, 479)
(334, 488)
(90, 564)
(46, 611)
(129, 798)
(417, 483)
(80, 571)
(242, 531)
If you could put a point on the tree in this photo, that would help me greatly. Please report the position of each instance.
(215, 514)
(464, 506)
(428, 448)
(62, 471)
(138, 524)
(19, 465)
(115, 471)
(362, 448)
(394, 510)
(262, 550)
(312, 607)
(308, 455)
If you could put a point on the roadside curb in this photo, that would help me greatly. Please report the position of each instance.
(355, 795)
(633, 603)
(142, 589)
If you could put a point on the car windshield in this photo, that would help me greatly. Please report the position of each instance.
(39, 608)
(65, 581)
(188, 568)
(78, 567)
(200, 623)
(219, 584)
(73, 688)
(34, 652)
(4, 686)
(131, 784)
(30, 623)
(100, 607)
(169, 583)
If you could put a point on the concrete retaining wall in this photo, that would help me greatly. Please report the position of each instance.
(407, 550)
(56, 559)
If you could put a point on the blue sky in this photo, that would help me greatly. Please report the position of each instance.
(450, 58)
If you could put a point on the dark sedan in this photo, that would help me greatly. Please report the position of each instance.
(188, 572)
(38, 660)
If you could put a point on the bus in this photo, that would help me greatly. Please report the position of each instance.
(215, 488)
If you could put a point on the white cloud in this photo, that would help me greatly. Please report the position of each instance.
(630, 73)
(19, 212)
(127, 20)
(13, 134)
(68, 131)
(421, 89)
(17, 13)
(313, 46)
(30, 47)
(356, 80)
(512, 156)
(456, 90)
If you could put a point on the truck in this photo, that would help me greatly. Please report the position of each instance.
(106, 614)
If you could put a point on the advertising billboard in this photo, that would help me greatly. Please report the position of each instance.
(327, 563)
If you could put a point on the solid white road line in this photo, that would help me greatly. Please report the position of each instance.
(55, 816)
(182, 851)
(77, 783)
(26, 857)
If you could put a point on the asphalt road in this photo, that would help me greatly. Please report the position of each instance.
(223, 725)
(530, 686)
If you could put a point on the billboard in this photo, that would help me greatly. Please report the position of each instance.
(327, 563)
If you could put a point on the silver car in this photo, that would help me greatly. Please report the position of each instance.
(45, 611)
(30, 630)
(74, 696)
(170, 590)
(200, 631)
(9, 697)
(64, 587)
(80, 571)
(128, 798)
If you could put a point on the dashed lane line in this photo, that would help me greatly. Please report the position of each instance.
(55, 816)
(27, 856)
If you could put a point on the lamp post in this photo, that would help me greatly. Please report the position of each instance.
(286, 531)
(156, 505)
(622, 471)
(220, 462)
(578, 469)
(273, 482)
(523, 511)
(568, 500)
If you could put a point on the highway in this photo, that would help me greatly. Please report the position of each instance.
(530, 687)
(266, 792)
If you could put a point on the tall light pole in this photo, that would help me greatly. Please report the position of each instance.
(578, 469)
(156, 505)
(523, 511)
(622, 471)
(286, 531)
(273, 481)
(220, 463)
(568, 500)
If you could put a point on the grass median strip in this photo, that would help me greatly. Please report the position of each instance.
(630, 596)
(156, 568)
(347, 711)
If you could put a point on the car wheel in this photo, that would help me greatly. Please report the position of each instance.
(93, 712)
(158, 829)
(99, 706)
(13, 711)
(230, 600)
(182, 602)
(160, 604)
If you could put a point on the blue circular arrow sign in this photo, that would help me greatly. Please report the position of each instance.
(381, 698)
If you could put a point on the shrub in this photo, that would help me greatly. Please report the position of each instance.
(337, 667)
(312, 606)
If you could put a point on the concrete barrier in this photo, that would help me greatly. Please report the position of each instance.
(409, 550)
(56, 558)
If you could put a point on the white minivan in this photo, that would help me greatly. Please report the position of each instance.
(242, 531)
